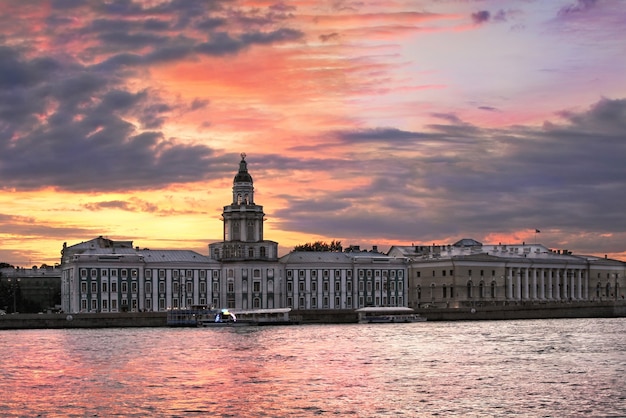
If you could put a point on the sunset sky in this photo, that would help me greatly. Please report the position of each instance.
(375, 122)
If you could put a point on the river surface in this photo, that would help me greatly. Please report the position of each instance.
(555, 368)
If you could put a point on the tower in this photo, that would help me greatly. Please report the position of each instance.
(243, 224)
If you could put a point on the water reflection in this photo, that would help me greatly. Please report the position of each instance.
(532, 368)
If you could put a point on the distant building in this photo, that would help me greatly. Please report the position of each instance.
(30, 290)
(243, 271)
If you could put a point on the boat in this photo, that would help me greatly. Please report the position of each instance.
(387, 315)
(203, 316)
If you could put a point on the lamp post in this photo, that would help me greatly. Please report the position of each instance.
(14, 283)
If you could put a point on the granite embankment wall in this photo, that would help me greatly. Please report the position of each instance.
(85, 320)
(611, 309)
(607, 309)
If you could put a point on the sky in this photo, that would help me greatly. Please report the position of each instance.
(376, 122)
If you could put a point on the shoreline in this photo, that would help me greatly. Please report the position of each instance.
(604, 309)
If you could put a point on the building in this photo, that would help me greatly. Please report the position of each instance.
(243, 271)
(30, 290)
(468, 273)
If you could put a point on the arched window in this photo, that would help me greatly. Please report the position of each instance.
(470, 286)
(493, 289)
(481, 289)
(263, 252)
(608, 290)
(444, 291)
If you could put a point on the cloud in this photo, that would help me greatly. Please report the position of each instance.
(85, 141)
(481, 17)
(566, 176)
(580, 6)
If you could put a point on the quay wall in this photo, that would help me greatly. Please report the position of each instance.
(609, 309)
(612, 309)
(84, 320)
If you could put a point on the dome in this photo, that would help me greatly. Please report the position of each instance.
(243, 176)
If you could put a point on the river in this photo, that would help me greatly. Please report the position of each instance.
(534, 368)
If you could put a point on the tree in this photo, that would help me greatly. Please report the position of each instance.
(319, 246)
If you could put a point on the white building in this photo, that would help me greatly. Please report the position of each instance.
(241, 272)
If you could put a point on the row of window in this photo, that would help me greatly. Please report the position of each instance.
(176, 287)
(376, 286)
(362, 273)
(124, 273)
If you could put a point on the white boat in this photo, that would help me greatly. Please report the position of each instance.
(387, 315)
(203, 316)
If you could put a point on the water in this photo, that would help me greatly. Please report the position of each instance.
(569, 367)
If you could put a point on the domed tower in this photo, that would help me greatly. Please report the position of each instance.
(243, 224)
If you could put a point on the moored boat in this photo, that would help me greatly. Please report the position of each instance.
(202, 316)
(387, 315)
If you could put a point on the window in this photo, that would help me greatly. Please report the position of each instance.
(289, 287)
(202, 274)
(94, 287)
(114, 272)
(231, 286)
(216, 287)
(301, 286)
(114, 287)
(83, 287)
(148, 287)
(124, 273)
(313, 286)
(263, 252)
(250, 252)
(94, 273)
(256, 273)
(190, 287)
(124, 287)
(175, 274)
(289, 273)
(175, 287)
(256, 286)
(202, 287)
(94, 305)
(133, 287)
(105, 287)
(133, 274)
(161, 287)
(337, 287)
(105, 304)
(189, 274)
(114, 305)
(83, 274)
(147, 274)
(161, 274)
(314, 273)
(215, 274)
(418, 274)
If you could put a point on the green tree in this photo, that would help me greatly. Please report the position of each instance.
(319, 246)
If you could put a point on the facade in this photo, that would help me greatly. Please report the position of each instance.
(30, 290)
(243, 271)
(469, 273)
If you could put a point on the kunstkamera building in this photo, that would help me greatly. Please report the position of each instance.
(243, 271)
